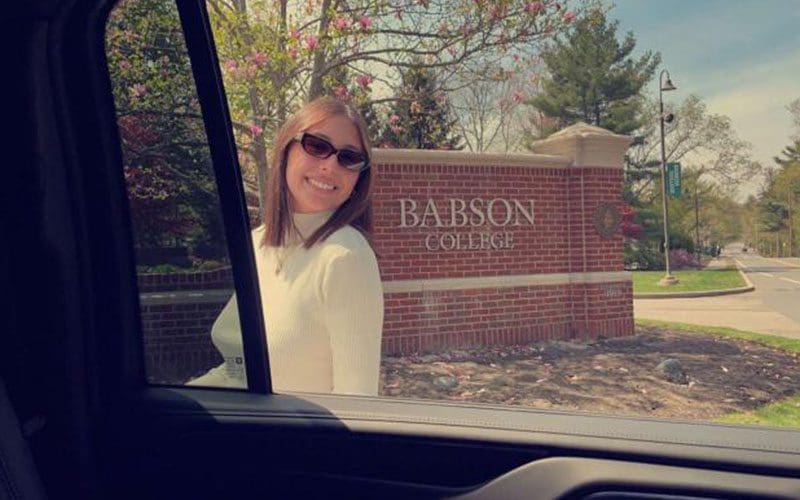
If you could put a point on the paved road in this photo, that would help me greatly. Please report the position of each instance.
(774, 306)
(777, 282)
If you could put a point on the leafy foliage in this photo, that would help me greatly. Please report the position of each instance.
(421, 117)
(165, 154)
(593, 77)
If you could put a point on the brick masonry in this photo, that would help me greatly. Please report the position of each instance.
(572, 284)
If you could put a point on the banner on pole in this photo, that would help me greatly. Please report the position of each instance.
(674, 179)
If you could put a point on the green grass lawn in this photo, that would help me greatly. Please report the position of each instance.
(784, 413)
(690, 281)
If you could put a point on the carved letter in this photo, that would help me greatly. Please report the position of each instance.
(430, 242)
(457, 207)
(408, 207)
(490, 212)
(519, 209)
(475, 206)
(430, 210)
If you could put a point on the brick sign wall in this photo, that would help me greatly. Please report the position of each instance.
(474, 249)
(486, 249)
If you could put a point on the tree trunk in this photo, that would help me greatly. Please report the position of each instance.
(315, 88)
(280, 105)
(256, 106)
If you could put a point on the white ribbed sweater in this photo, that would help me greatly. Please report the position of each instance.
(323, 312)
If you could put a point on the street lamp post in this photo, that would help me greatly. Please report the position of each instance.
(665, 86)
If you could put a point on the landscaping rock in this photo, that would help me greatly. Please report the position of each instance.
(446, 383)
(672, 371)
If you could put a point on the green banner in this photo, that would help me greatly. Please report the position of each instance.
(674, 179)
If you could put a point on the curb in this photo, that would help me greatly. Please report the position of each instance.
(749, 287)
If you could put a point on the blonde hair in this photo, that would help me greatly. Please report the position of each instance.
(356, 211)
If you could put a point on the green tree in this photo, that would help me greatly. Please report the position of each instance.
(791, 154)
(703, 142)
(593, 77)
(421, 117)
(165, 153)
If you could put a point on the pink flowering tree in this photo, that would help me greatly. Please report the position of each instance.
(278, 54)
(165, 155)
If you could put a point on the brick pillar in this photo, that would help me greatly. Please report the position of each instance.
(594, 198)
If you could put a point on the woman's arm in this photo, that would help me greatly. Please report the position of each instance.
(353, 305)
(226, 334)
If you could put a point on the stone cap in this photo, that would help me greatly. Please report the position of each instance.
(466, 158)
(586, 145)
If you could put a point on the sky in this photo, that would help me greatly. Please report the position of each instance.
(741, 57)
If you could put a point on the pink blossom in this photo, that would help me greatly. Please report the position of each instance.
(341, 92)
(363, 80)
(255, 129)
(138, 90)
(258, 58)
(444, 28)
(515, 57)
(396, 129)
(293, 52)
(518, 96)
(569, 17)
(124, 65)
(534, 7)
(341, 23)
(365, 22)
(394, 119)
(231, 65)
(311, 42)
(294, 35)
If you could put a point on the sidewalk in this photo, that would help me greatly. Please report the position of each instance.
(743, 311)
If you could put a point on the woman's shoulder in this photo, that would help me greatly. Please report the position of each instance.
(348, 239)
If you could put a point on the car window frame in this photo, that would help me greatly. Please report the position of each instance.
(201, 50)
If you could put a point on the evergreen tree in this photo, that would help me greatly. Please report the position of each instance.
(421, 117)
(791, 154)
(593, 78)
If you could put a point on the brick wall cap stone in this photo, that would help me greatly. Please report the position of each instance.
(586, 145)
(381, 156)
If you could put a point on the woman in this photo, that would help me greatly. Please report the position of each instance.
(318, 275)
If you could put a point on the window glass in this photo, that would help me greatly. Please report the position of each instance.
(183, 269)
(583, 206)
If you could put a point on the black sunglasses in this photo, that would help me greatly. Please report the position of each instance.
(320, 148)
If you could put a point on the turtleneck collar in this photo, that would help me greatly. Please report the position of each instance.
(306, 224)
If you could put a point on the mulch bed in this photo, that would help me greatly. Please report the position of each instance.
(616, 375)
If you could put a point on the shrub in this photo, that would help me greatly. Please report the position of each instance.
(682, 259)
(643, 257)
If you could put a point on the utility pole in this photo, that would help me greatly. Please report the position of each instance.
(663, 86)
(696, 223)
(791, 236)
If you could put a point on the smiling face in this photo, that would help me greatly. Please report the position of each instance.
(316, 184)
